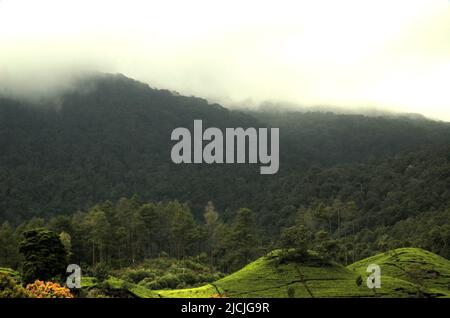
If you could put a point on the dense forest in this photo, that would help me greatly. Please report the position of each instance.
(95, 168)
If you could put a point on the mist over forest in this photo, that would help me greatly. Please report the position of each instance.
(91, 93)
(112, 141)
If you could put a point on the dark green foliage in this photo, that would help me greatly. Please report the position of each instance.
(106, 290)
(169, 273)
(128, 232)
(113, 140)
(100, 272)
(240, 243)
(356, 184)
(296, 237)
(9, 253)
(44, 256)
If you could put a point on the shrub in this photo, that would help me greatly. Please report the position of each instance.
(96, 293)
(9, 288)
(291, 292)
(100, 272)
(163, 273)
(40, 289)
(150, 284)
(359, 280)
(170, 281)
(138, 275)
(188, 278)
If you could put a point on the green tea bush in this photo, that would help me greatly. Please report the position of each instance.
(139, 274)
(9, 288)
(101, 272)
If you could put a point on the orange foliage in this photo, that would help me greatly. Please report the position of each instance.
(42, 289)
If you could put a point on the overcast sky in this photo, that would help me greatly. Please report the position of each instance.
(385, 54)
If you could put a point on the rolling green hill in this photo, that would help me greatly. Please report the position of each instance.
(272, 276)
(277, 272)
(405, 272)
(429, 272)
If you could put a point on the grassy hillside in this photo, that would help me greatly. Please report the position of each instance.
(428, 272)
(406, 272)
(273, 275)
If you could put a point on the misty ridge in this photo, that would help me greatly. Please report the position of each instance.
(343, 62)
(113, 133)
(48, 91)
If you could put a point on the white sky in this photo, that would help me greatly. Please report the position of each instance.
(385, 54)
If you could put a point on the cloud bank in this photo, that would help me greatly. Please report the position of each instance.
(370, 54)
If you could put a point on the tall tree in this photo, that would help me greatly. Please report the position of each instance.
(44, 254)
(9, 248)
(99, 230)
(183, 228)
(241, 243)
(213, 226)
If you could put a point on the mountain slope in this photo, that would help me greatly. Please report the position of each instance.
(111, 139)
(107, 141)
